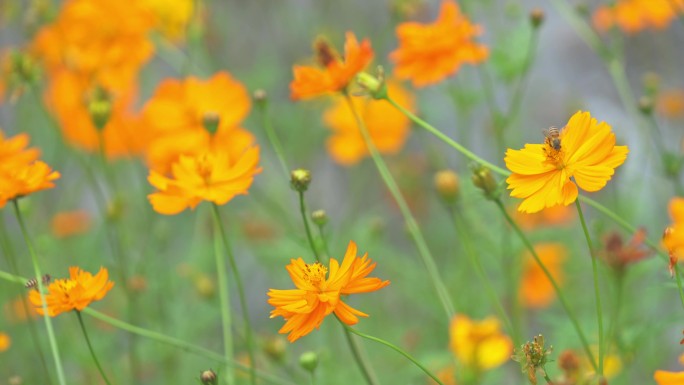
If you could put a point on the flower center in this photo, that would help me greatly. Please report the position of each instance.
(204, 167)
(325, 54)
(554, 153)
(314, 273)
(66, 285)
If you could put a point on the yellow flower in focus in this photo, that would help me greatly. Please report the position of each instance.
(636, 15)
(171, 17)
(479, 344)
(536, 291)
(73, 293)
(316, 295)
(211, 176)
(387, 127)
(428, 53)
(173, 120)
(5, 342)
(585, 152)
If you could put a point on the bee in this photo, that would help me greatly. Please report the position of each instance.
(33, 283)
(552, 137)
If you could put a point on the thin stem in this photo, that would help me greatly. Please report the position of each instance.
(411, 223)
(224, 300)
(396, 349)
(546, 377)
(90, 347)
(679, 283)
(557, 289)
(597, 292)
(241, 293)
(610, 337)
(359, 357)
(48, 321)
(272, 136)
(307, 227)
(321, 234)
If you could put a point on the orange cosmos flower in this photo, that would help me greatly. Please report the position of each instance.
(479, 344)
(174, 119)
(334, 75)
(215, 176)
(536, 290)
(663, 377)
(673, 237)
(19, 310)
(20, 173)
(636, 15)
(584, 150)
(387, 127)
(619, 254)
(670, 103)
(69, 223)
(316, 296)
(73, 293)
(428, 53)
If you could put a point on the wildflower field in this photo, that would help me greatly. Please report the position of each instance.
(324, 192)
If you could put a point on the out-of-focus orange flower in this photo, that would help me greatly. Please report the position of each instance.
(619, 255)
(170, 17)
(479, 344)
(5, 342)
(20, 173)
(636, 15)
(583, 154)
(333, 74)
(670, 103)
(663, 377)
(19, 310)
(447, 375)
(316, 296)
(69, 223)
(536, 290)
(551, 216)
(428, 53)
(387, 127)
(673, 237)
(212, 176)
(73, 293)
(174, 119)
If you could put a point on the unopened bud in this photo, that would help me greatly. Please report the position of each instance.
(204, 285)
(569, 363)
(275, 348)
(319, 217)
(651, 83)
(447, 185)
(209, 377)
(484, 180)
(100, 107)
(537, 17)
(308, 361)
(374, 85)
(211, 122)
(260, 97)
(646, 105)
(300, 179)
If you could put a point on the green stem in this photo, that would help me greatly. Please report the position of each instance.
(612, 329)
(90, 347)
(557, 289)
(307, 227)
(464, 237)
(546, 377)
(321, 234)
(48, 321)
(396, 349)
(359, 357)
(241, 294)
(411, 223)
(272, 136)
(679, 283)
(224, 300)
(597, 292)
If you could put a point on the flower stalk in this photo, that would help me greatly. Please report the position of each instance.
(90, 347)
(224, 300)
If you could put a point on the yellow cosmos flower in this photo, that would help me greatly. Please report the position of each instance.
(5, 342)
(73, 293)
(583, 150)
(479, 344)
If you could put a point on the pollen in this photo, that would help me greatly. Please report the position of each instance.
(314, 273)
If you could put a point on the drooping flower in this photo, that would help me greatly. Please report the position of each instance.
(479, 344)
(214, 176)
(332, 73)
(584, 154)
(536, 291)
(73, 293)
(429, 53)
(174, 120)
(636, 15)
(387, 127)
(20, 172)
(619, 254)
(319, 292)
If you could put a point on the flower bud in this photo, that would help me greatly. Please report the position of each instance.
(646, 105)
(651, 83)
(537, 17)
(275, 348)
(100, 107)
(209, 377)
(308, 361)
(211, 122)
(260, 97)
(484, 180)
(374, 85)
(319, 217)
(300, 179)
(569, 363)
(448, 185)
